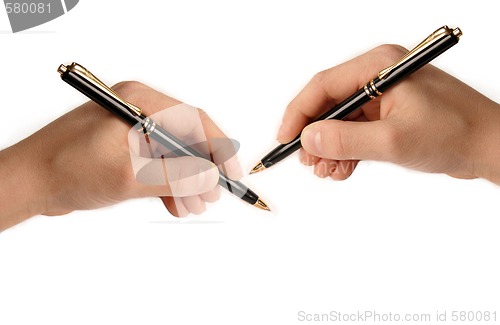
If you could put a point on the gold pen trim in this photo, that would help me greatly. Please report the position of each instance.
(148, 126)
(431, 39)
(262, 205)
(374, 88)
(371, 90)
(367, 91)
(86, 74)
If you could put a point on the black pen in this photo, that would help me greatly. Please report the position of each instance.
(85, 82)
(437, 43)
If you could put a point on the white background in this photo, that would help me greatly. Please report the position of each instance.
(388, 239)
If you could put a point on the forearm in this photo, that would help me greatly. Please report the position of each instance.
(20, 186)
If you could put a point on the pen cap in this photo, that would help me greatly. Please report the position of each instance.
(437, 43)
(82, 80)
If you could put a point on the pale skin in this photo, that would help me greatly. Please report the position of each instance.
(430, 122)
(81, 161)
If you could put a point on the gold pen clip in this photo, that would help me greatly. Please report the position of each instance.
(433, 38)
(86, 74)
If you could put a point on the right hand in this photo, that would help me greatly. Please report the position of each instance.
(430, 122)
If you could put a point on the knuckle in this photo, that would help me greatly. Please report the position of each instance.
(390, 52)
(129, 90)
(342, 146)
(321, 78)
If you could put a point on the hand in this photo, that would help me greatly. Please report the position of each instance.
(430, 122)
(82, 161)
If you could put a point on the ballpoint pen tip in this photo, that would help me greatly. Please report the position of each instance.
(258, 168)
(262, 205)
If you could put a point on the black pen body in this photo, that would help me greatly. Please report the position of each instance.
(339, 112)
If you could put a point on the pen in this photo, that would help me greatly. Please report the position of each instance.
(437, 43)
(85, 82)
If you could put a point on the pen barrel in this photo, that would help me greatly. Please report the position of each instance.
(238, 189)
(346, 107)
(104, 99)
(281, 152)
(170, 142)
(415, 63)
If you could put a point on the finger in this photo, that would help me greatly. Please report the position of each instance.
(191, 125)
(181, 120)
(211, 196)
(307, 159)
(344, 169)
(333, 85)
(224, 152)
(175, 206)
(335, 169)
(178, 206)
(195, 129)
(302, 109)
(182, 176)
(325, 167)
(346, 140)
(194, 204)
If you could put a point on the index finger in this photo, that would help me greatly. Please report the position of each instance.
(330, 86)
(192, 125)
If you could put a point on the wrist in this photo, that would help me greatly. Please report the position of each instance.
(22, 189)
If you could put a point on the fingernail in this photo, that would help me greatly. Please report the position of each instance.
(311, 140)
(320, 170)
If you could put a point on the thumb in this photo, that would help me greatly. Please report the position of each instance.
(179, 177)
(346, 140)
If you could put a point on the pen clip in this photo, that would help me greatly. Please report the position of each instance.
(87, 75)
(431, 39)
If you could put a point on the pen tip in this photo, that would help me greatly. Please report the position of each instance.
(258, 168)
(262, 205)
